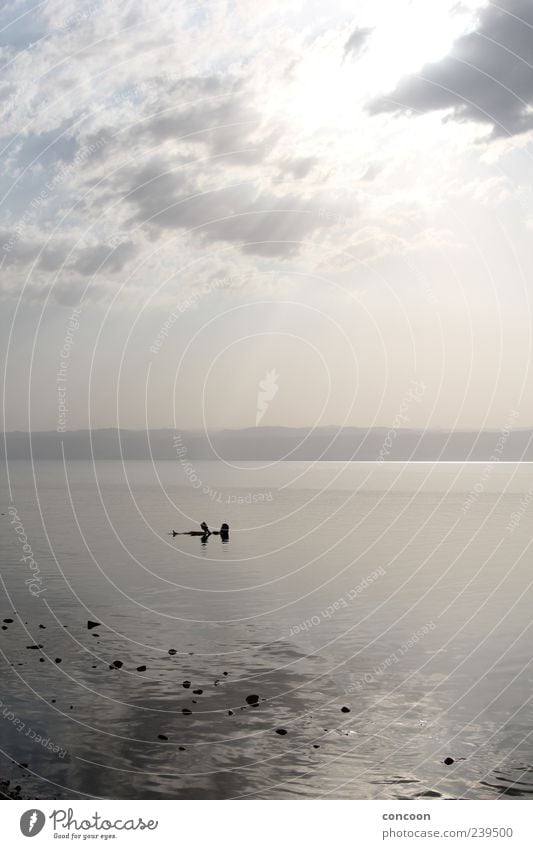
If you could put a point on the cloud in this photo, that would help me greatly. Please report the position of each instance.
(103, 258)
(487, 77)
(261, 222)
(299, 167)
(224, 124)
(357, 41)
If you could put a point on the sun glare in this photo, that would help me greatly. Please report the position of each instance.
(403, 38)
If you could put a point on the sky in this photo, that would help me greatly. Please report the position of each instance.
(220, 214)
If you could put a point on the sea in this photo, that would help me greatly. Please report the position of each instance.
(365, 632)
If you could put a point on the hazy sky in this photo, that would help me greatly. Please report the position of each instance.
(315, 203)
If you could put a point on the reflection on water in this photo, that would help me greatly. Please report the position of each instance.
(344, 651)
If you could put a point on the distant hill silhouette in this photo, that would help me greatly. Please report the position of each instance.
(272, 443)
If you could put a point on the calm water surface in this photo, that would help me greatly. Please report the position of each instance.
(398, 591)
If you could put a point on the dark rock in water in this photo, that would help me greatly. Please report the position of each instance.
(182, 748)
(186, 711)
(53, 701)
(92, 624)
(198, 692)
(93, 666)
(186, 684)
(194, 702)
(8, 621)
(231, 713)
(117, 664)
(448, 761)
(34, 647)
(41, 660)
(43, 627)
(141, 669)
(217, 682)
(94, 634)
(162, 737)
(72, 707)
(225, 673)
(172, 651)
(58, 660)
(4, 627)
(252, 700)
(345, 709)
(316, 746)
(281, 731)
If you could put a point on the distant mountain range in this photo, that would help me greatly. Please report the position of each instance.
(272, 443)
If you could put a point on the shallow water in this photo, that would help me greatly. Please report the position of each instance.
(399, 591)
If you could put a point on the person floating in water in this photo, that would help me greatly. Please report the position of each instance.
(223, 533)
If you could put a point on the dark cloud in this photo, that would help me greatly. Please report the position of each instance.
(487, 76)
(357, 41)
(102, 258)
(224, 126)
(52, 258)
(47, 148)
(299, 167)
(262, 223)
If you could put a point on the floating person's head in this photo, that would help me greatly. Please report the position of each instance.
(204, 527)
(224, 531)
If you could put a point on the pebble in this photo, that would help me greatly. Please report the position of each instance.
(281, 731)
(117, 664)
(141, 669)
(252, 700)
(172, 651)
(231, 713)
(58, 660)
(162, 737)
(345, 709)
(448, 761)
